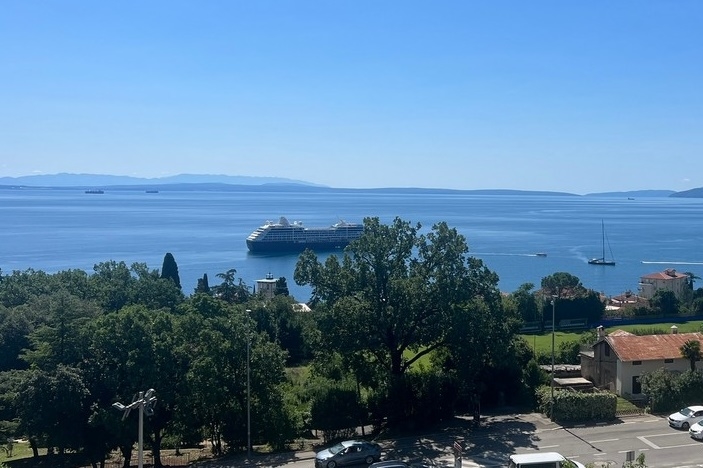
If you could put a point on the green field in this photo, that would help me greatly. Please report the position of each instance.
(543, 342)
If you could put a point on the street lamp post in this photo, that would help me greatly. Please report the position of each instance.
(145, 402)
(554, 298)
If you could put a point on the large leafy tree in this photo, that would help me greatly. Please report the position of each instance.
(526, 303)
(52, 407)
(665, 302)
(395, 294)
(131, 351)
(562, 284)
(232, 289)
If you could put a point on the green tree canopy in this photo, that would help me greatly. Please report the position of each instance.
(395, 294)
(562, 284)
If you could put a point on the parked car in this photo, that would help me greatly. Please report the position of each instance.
(696, 430)
(540, 460)
(349, 452)
(686, 417)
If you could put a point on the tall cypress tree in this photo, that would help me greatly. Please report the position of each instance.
(203, 285)
(169, 269)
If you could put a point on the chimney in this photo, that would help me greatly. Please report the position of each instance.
(674, 329)
(601, 332)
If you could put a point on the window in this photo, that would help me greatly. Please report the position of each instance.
(636, 385)
(668, 361)
(607, 350)
(636, 363)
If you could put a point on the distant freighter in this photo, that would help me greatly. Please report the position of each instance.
(284, 236)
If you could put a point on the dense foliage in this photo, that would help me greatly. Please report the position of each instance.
(406, 328)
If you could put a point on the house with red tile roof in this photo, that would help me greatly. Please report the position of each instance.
(618, 359)
(667, 280)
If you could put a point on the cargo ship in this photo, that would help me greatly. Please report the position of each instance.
(285, 236)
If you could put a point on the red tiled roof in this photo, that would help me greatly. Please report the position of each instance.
(650, 347)
(665, 275)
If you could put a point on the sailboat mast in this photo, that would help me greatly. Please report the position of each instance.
(602, 242)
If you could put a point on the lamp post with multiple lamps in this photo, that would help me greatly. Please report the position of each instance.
(145, 402)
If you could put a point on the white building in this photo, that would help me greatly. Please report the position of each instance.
(667, 280)
(619, 359)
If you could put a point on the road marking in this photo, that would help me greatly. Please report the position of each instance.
(604, 440)
(651, 444)
(548, 446)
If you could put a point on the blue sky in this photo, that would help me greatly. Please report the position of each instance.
(537, 95)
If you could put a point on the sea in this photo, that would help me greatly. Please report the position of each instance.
(61, 229)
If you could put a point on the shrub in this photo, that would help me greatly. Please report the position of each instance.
(577, 406)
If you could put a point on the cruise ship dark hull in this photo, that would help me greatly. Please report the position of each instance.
(293, 247)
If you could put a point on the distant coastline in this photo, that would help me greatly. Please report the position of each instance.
(223, 183)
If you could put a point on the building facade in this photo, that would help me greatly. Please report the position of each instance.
(617, 360)
(667, 280)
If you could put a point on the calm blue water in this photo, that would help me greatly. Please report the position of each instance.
(205, 231)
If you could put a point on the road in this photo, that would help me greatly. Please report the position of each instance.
(489, 446)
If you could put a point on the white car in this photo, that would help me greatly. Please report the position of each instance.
(696, 431)
(686, 417)
(541, 460)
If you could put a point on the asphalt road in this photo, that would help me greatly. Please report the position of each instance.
(490, 445)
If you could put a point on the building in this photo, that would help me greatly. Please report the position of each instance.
(667, 280)
(617, 360)
(266, 287)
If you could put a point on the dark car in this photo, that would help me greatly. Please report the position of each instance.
(349, 452)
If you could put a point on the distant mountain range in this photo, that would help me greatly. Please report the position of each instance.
(99, 180)
(215, 182)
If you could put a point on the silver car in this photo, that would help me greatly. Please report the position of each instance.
(349, 452)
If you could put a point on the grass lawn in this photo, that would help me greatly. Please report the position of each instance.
(543, 343)
(19, 450)
(684, 327)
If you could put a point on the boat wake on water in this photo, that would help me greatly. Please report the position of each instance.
(672, 263)
(504, 254)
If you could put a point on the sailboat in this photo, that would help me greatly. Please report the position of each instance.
(602, 260)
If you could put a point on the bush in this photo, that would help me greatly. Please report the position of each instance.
(577, 406)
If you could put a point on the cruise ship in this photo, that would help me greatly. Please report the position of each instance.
(285, 236)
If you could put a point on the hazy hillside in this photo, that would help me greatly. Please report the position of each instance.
(218, 182)
(100, 180)
(693, 193)
(634, 193)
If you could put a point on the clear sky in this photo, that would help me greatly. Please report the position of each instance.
(558, 95)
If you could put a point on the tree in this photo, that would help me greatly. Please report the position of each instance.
(231, 290)
(526, 303)
(562, 284)
(130, 351)
(281, 287)
(111, 285)
(203, 286)
(169, 269)
(52, 406)
(691, 350)
(393, 297)
(665, 302)
(58, 339)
